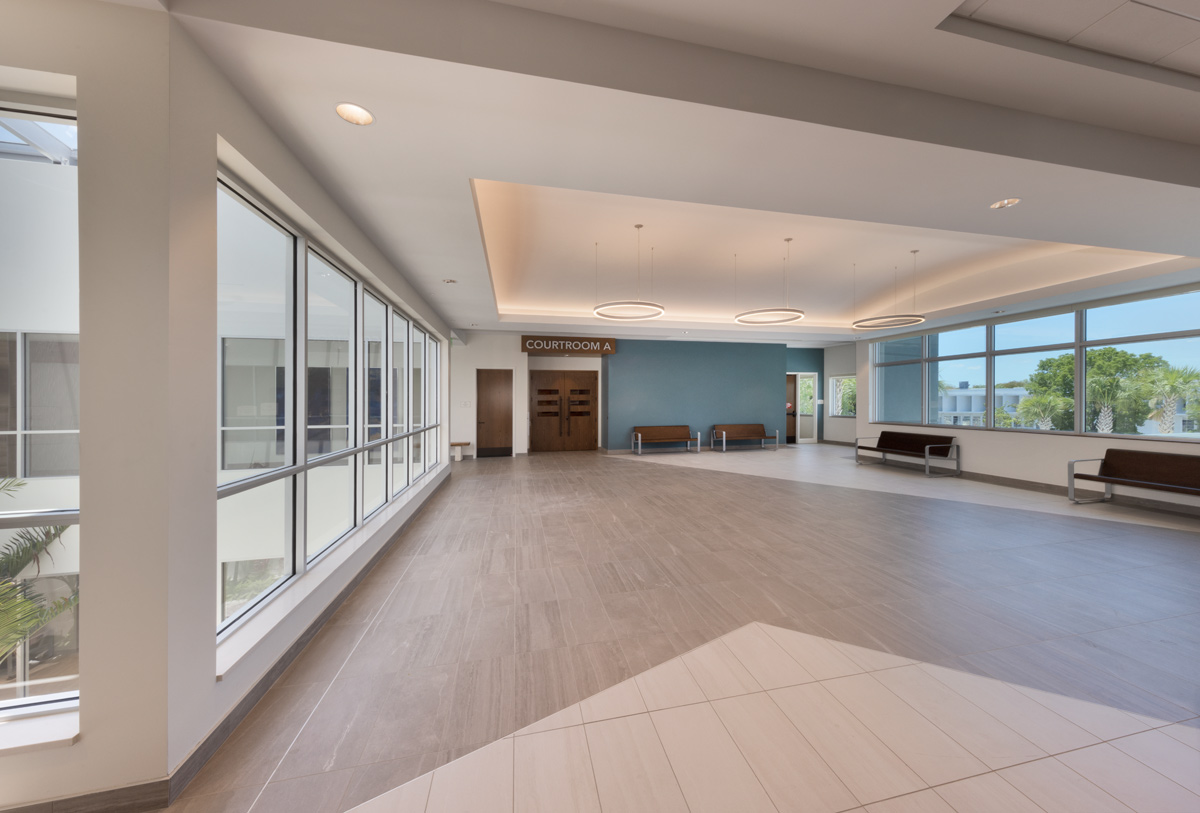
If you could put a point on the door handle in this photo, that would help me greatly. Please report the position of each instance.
(560, 415)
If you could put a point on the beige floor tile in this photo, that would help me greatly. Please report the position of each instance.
(1170, 757)
(552, 773)
(764, 659)
(1105, 722)
(924, 747)
(480, 782)
(819, 657)
(1188, 734)
(408, 798)
(1033, 721)
(631, 768)
(868, 768)
(718, 672)
(992, 742)
(790, 769)
(668, 685)
(871, 660)
(1058, 789)
(986, 794)
(1138, 786)
(318, 793)
(571, 715)
(376, 778)
(619, 701)
(711, 770)
(924, 801)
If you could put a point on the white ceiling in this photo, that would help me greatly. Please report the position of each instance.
(578, 163)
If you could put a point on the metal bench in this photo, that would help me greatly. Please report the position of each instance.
(743, 431)
(913, 444)
(1161, 471)
(663, 434)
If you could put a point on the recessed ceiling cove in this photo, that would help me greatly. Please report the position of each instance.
(553, 254)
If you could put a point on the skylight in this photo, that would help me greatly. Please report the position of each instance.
(54, 142)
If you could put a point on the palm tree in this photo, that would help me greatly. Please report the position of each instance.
(22, 610)
(1167, 386)
(1108, 392)
(1041, 410)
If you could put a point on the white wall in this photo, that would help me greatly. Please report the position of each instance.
(485, 350)
(1034, 457)
(840, 360)
(153, 115)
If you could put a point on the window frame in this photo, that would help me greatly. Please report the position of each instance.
(834, 399)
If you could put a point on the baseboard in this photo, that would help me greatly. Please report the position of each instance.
(149, 796)
(837, 442)
(1051, 488)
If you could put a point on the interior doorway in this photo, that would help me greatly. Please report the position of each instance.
(493, 413)
(802, 412)
(563, 410)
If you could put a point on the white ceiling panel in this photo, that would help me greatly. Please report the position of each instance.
(1054, 19)
(1139, 32)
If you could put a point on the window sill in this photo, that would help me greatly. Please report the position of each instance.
(24, 734)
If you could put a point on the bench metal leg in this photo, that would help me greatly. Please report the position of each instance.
(1071, 494)
(957, 467)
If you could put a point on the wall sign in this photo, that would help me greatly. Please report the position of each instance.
(567, 346)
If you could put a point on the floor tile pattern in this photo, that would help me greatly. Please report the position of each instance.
(529, 584)
(889, 736)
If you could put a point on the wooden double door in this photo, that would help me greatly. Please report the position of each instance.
(562, 410)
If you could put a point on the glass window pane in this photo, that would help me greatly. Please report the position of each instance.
(418, 455)
(843, 396)
(52, 455)
(431, 448)
(8, 382)
(899, 350)
(418, 371)
(1147, 388)
(399, 377)
(958, 342)
(330, 503)
(52, 381)
(374, 478)
(805, 400)
(255, 265)
(1035, 391)
(254, 540)
(958, 392)
(47, 660)
(899, 398)
(374, 330)
(1057, 329)
(330, 377)
(1164, 315)
(431, 375)
(399, 465)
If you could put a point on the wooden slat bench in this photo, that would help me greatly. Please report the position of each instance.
(663, 434)
(914, 444)
(743, 431)
(1161, 471)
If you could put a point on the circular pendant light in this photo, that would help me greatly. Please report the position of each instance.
(773, 316)
(632, 310)
(893, 320)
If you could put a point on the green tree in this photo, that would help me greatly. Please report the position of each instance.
(847, 396)
(1106, 394)
(1056, 376)
(1167, 386)
(1043, 410)
(1003, 419)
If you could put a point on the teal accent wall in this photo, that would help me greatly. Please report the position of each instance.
(810, 360)
(653, 383)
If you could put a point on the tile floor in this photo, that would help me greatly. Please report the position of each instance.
(769, 719)
(528, 585)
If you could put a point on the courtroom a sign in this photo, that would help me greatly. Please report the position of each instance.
(568, 346)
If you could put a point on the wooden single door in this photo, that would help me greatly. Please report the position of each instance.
(582, 423)
(547, 411)
(493, 413)
(791, 410)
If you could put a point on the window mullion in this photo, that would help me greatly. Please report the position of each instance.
(299, 338)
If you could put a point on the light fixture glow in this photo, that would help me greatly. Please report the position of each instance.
(769, 316)
(629, 310)
(450, 281)
(894, 320)
(1004, 204)
(355, 114)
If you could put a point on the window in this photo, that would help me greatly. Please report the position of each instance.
(297, 475)
(843, 396)
(1131, 368)
(39, 412)
(805, 398)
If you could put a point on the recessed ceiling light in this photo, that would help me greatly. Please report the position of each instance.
(685, 333)
(355, 114)
(474, 324)
(1004, 204)
(997, 311)
(450, 281)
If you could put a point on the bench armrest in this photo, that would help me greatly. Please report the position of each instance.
(1071, 475)
(940, 446)
(870, 437)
